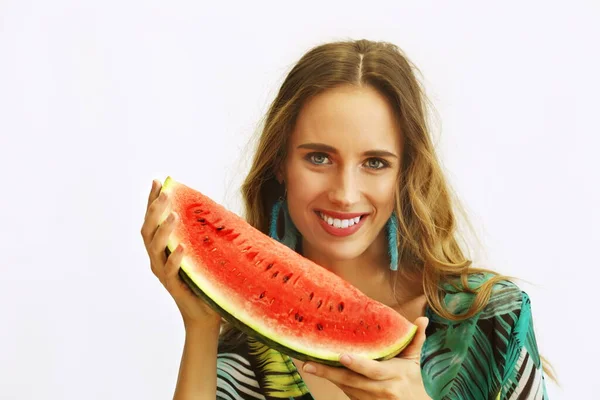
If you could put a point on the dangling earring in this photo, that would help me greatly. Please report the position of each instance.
(290, 232)
(391, 228)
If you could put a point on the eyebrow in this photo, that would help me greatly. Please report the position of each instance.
(330, 149)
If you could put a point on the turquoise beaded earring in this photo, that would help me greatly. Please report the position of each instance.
(391, 228)
(290, 232)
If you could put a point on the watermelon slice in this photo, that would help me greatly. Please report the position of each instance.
(274, 294)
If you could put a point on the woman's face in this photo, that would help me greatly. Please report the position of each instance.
(341, 171)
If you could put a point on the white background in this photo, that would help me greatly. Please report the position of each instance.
(97, 98)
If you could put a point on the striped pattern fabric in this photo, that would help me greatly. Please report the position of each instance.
(492, 355)
(235, 379)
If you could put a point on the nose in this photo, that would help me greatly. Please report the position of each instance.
(345, 189)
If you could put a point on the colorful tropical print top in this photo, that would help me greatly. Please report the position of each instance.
(492, 355)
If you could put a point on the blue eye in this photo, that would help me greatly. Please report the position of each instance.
(376, 163)
(317, 158)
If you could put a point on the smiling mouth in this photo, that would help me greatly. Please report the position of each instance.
(340, 223)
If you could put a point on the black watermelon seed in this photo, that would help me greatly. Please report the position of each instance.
(319, 304)
(269, 267)
(296, 316)
(378, 327)
(310, 297)
(320, 327)
(262, 295)
(287, 278)
(341, 307)
(198, 211)
(300, 318)
(206, 239)
(330, 307)
(275, 274)
(220, 228)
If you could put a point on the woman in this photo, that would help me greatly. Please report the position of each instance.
(346, 174)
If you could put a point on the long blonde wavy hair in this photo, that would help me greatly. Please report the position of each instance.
(426, 208)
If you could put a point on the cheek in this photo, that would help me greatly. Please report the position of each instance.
(303, 187)
(381, 192)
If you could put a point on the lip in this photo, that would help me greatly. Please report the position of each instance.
(340, 232)
(340, 215)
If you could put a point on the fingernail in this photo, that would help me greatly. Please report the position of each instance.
(179, 248)
(171, 217)
(309, 368)
(346, 359)
(163, 196)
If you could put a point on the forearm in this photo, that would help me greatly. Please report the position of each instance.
(198, 369)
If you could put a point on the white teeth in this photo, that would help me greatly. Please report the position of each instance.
(339, 223)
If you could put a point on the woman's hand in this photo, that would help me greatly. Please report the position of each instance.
(394, 379)
(193, 309)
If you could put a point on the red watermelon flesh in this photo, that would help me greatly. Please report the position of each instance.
(274, 294)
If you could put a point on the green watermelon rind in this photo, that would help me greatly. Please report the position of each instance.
(331, 359)
(264, 339)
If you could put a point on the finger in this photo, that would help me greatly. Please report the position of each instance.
(161, 238)
(155, 211)
(413, 350)
(372, 369)
(351, 382)
(172, 266)
(339, 376)
(154, 192)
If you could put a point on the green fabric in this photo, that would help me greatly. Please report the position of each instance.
(492, 355)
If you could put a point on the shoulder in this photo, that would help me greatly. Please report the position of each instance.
(470, 355)
(504, 313)
(505, 296)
